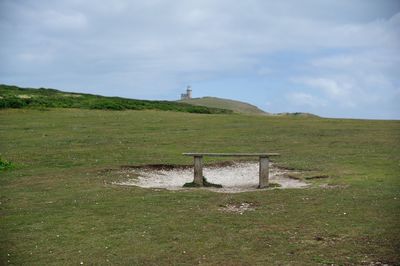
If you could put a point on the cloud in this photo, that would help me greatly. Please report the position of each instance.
(337, 90)
(305, 99)
(342, 49)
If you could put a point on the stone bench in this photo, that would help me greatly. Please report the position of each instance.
(263, 158)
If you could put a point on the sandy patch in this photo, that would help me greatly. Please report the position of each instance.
(238, 177)
(239, 208)
(24, 96)
(70, 95)
(328, 186)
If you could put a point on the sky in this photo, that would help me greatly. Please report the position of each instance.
(333, 58)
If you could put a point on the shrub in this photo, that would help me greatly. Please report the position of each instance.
(12, 102)
(3, 103)
(108, 105)
(4, 164)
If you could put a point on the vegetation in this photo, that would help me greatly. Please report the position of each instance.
(298, 114)
(4, 164)
(235, 106)
(59, 205)
(274, 185)
(238, 107)
(205, 184)
(15, 97)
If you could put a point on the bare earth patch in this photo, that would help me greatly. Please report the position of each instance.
(328, 186)
(235, 177)
(239, 208)
(24, 96)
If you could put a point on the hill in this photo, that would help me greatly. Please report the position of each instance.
(235, 106)
(238, 107)
(16, 97)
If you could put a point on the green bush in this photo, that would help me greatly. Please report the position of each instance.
(4, 164)
(12, 102)
(3, 103)
(107, 105)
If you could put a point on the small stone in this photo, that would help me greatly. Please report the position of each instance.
(319, 238)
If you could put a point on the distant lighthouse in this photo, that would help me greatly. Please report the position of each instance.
(188, 94)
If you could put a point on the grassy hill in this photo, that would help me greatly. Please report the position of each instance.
(238, 107)
(15, 97)
(58, 204)
(235, 106)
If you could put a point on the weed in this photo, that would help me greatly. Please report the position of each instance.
(4, 164)
(205, 184)
(273, 185)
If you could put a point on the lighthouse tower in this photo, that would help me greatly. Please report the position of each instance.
(188, 94)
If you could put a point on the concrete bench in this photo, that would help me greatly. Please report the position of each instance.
(263, 158)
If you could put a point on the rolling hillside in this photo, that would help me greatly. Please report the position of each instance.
(235, 106)
(16, 97)
(238, 107)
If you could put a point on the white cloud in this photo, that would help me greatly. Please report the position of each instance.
(56, 20)
(305, 99)
(340, 91)
(349, 48)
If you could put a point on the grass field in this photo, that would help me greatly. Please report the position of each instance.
(58, 205)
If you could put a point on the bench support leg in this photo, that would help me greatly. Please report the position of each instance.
(264, 172)
(198, 170)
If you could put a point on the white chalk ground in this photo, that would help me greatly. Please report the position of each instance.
(238, 177)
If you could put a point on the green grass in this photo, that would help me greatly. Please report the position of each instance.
(205, 184)
(15, 97)
(235, 106)
(58, 205)
(5, 165)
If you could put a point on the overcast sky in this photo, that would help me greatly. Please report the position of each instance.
(338, 58)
